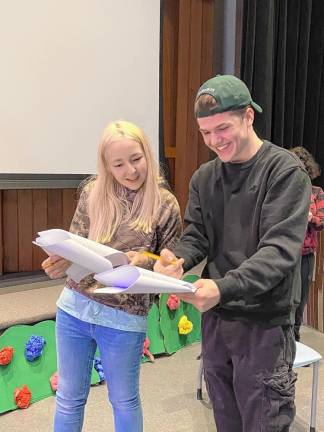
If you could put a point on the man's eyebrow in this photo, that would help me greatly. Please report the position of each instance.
(215, 128)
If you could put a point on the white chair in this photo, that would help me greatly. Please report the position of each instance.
(305, 356)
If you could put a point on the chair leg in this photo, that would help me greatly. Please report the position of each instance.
(199, 379)
(314, 397)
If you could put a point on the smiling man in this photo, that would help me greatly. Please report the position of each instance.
(247, 214)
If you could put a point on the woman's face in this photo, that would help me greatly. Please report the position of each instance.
(127, 163)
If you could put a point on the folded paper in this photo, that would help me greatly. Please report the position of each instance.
(109, 266)
(135, 280)
(87, 256)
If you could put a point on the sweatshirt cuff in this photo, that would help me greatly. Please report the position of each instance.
(226, 289)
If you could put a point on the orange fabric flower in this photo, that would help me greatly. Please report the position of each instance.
(6, 355)
(22, 397)
(146, 351)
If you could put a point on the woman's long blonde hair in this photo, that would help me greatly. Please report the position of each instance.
(107, 203)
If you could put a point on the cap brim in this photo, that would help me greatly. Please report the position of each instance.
(256, 107)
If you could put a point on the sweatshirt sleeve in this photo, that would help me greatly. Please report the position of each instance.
(282, 229)
(194, 242)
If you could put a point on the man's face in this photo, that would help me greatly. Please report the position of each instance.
(227, 134)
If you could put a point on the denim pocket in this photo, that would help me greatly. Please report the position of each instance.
(278, 407)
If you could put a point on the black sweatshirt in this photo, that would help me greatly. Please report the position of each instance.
(249, 219)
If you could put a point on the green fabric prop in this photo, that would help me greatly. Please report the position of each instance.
(35, 374)
(173, 341)
(154, 332)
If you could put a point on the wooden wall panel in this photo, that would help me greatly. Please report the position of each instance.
(195, 65)
(207, 66)
(54, 208)
(1, 237)
(22, 214)
(169, 73)
(314, 315)
(10, 231)
(39, 223)
(69, 201)
(25, 230)
(181, 181)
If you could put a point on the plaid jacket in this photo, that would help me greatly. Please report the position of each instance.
(166, 231)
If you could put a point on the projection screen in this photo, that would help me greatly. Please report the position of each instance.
(68, 67)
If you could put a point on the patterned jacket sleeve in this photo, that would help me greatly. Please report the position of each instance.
(317, 208)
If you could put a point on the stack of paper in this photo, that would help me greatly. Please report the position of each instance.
(109, 266)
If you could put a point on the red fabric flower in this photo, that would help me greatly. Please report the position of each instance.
(173, 302)
(6, 355)
(54, 381)
(146, 351)
(22, 397)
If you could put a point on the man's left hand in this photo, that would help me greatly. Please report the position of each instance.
(206, 296)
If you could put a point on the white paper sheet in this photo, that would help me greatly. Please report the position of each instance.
(135, 280)
(109, 265)
(87, 256)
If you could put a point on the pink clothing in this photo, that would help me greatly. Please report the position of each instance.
(316, 223)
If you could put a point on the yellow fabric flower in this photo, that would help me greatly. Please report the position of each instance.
(185, 326)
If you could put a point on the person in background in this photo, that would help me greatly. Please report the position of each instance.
(315, 224)
(247, 214)
(127, 207)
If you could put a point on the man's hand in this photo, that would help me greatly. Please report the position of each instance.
(55, 267)
(169, 265)
(206, 296)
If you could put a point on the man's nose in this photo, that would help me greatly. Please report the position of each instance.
(215, 139)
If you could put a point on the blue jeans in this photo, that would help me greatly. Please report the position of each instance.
(120, 353)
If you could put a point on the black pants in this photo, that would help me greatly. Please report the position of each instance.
(306, 273)
(248, 374)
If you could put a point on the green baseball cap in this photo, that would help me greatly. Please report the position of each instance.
(230, 94)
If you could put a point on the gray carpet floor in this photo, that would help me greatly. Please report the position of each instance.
(168, 386)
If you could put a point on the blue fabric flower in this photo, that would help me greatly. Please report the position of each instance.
(99, 369)
(34, 347)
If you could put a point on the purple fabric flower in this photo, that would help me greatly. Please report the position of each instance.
(34, 347)
(99, 369)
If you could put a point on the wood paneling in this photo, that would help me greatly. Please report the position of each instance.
(10, 231)
(188, 41)
(1, 238)
(54, 208)
(22, 214)
(315, 306)
(39, 223)
(69, 201)
(25, 230)
(170, 23)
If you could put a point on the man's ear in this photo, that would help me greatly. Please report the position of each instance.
(249, 116)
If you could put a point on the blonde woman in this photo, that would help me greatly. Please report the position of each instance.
(127, 208)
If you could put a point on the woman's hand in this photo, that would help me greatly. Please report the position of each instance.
(137, 259)
(55, 267)
(169, 264)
